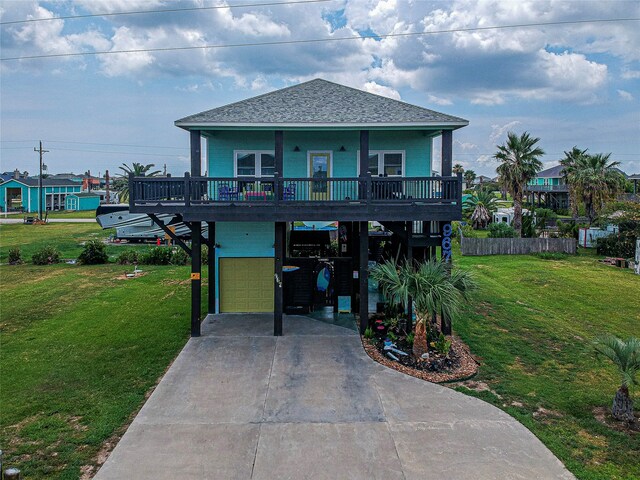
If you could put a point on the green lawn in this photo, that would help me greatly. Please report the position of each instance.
(57, 214)
(67, 237)
(79, 349)
(532, 323)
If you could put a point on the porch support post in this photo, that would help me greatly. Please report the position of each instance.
(447, 153)
(364, 161)
(363, 275)
(196, 154)
(280, 239)
(279, 151)
(211, 265)
(196, 282)
(410, 261)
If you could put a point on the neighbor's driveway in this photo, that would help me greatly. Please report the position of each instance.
(240, 403)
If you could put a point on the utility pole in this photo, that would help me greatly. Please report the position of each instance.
(42, 152)
(164, 174)
(106, 179)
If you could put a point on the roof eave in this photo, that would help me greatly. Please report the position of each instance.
(454, 125)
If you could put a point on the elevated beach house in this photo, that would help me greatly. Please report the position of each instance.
(549, 188)
(313, 152)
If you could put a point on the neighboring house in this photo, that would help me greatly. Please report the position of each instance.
(549, 188)
(4, 176)
(114, 197)
(82, 201)
(317, 151)
(22, 194)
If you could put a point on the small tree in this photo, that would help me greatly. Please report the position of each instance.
(433, 288)
(520, 162)
(457, 168)
(625, 354)
(482, 204)
(469, 178)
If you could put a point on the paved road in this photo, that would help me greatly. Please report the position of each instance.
(239, 403)
(10, 220)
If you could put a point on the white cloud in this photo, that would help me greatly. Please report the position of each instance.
(498, 131)
(624, 95)
(439, 100)
(373, 87)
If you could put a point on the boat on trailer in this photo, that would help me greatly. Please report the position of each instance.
(136, 227)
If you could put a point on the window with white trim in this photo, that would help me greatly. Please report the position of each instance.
(254, 163)
(388, 163)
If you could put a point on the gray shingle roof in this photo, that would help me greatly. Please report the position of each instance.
(553, 172)
(47, 182)
(320, 103)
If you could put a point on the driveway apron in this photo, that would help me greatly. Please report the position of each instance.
(239, 403)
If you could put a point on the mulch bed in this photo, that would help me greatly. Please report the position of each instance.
(460, 365)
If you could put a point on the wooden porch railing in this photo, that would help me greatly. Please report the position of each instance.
(190, 191)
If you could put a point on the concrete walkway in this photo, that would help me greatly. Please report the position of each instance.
(239, 403)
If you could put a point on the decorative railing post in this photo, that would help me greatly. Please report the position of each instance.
(187, 189)
(459, 188)
(276, 188)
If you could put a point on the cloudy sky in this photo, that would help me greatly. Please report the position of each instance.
(569, 83)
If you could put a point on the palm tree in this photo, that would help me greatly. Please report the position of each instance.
(457, 168)
(469, 177)
(520, 163)
(592, 179)
(121, 184)
(482, 204)
(433, 288)
(625, 354)
(569, 163)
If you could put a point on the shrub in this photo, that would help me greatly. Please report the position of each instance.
(47, 255)
(442, 345)
(469, 232)
(157, 256)
(128, 257)
(93, 253)
(410, 337)
(179, 257)
(616, 246)
(501, 230)
(15, 256)
(368, 333)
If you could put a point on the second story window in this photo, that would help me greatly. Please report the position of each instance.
(254, 163)
(387, 163)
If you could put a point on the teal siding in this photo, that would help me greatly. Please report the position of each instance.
(222, 144)
(243, 239)
(13, 184)
(73, 202)
(30, 194)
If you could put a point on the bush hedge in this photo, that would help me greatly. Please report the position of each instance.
(47, 255)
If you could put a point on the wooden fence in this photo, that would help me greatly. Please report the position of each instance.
(516, 246)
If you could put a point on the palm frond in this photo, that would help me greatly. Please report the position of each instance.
(624, 354)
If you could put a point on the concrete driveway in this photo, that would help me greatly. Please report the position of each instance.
(239, 403)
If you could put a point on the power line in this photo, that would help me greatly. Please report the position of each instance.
(168, 10)
(321, 40)
(93, 143)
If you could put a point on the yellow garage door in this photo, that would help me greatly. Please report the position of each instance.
(246, 285)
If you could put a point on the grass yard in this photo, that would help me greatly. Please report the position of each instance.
(532, 323)
(79, 349)
(67, 237)
(62, 214)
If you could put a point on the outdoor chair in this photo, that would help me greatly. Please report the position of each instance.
(227, 193)
(289, 192)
